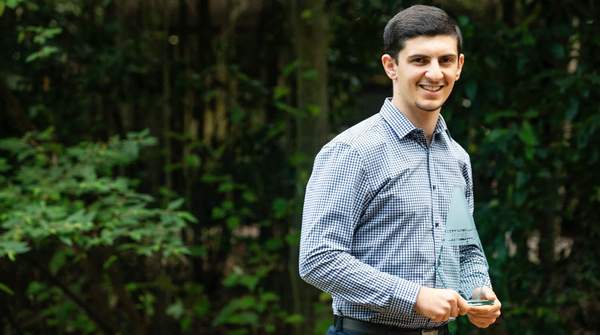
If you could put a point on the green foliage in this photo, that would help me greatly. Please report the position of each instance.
(51, 193)
(524, 126)
(68, 201)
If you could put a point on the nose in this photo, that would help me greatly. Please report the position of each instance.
(434, 72)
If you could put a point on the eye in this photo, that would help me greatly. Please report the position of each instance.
(419, 60)
(447, 60)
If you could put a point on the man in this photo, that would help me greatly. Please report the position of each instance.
(378, 197)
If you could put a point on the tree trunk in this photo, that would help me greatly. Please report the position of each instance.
(310, 29)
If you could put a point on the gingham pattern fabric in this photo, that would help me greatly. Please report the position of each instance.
(374, 216)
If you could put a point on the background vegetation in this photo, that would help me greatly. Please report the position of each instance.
(154, 154)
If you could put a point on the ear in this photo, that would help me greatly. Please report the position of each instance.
(389, 66)
(461, 62)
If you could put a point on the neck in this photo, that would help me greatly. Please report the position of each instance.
(426, 120)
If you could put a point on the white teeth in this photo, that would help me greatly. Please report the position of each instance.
(431, 88)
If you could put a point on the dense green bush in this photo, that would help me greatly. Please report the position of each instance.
(72, 227)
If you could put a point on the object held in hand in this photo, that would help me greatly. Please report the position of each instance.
(478, 302)
(460, 235)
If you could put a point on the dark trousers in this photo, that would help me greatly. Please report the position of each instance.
(332, 331)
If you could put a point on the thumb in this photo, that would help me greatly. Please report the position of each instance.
(488, 294)
(463, 305)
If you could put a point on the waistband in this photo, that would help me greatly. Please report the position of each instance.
(369, 328)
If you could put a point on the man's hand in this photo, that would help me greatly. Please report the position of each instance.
(484, 316)
(440, 304)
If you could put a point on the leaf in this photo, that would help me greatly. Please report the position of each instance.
(290, 68)
(192, 161)
(287, 108)
(281, 92)
(198, 250)
(13, 145)
(268, 297)
(187, 216)
(226, 186)
(306, 14)
(44, 52)
(6, 289)
(237, 114)
(58, 261)
(4, 166)
(12, 248)
(218, 213)
(244, 318)
(13, 3)
(176, 310)
(293, 238)
(248, 196)
(233, 222)
(280, 208)
(109, 262)
(175, 204)
(527, 134)
(294, 319)
(231, 313)
(313, 110)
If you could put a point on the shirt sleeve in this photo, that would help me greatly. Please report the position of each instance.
(473, 263)
(337, 193)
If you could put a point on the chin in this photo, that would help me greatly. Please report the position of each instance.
(429, 107)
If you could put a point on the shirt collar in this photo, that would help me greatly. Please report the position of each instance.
(401, 124)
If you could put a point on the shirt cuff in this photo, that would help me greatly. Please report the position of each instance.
(404, 298)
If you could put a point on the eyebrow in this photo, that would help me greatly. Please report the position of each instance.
(454, 56)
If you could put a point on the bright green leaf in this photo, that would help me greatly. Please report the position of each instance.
(6, 289)
(176, 310)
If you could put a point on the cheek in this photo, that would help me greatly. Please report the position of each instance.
(451, 76)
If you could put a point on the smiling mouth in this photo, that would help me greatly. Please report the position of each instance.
(431, 88)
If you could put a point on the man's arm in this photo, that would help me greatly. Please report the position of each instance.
(336, 196)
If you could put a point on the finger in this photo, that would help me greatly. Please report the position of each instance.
(498, 303)
(439, 318)
(486, 310)
(454, 310)
(463, 305)
(445, 316)
(481, 314)
(481, 322)
(483, 325)
(487, 293)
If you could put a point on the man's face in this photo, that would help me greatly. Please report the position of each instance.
(425, 72)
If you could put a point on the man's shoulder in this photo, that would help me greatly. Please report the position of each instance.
(363, 136)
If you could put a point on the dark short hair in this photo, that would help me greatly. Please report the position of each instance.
(417, 21)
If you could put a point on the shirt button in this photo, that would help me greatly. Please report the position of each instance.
(434, 187)
(437, 224)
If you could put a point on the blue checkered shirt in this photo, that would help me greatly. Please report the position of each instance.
(374, 216)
